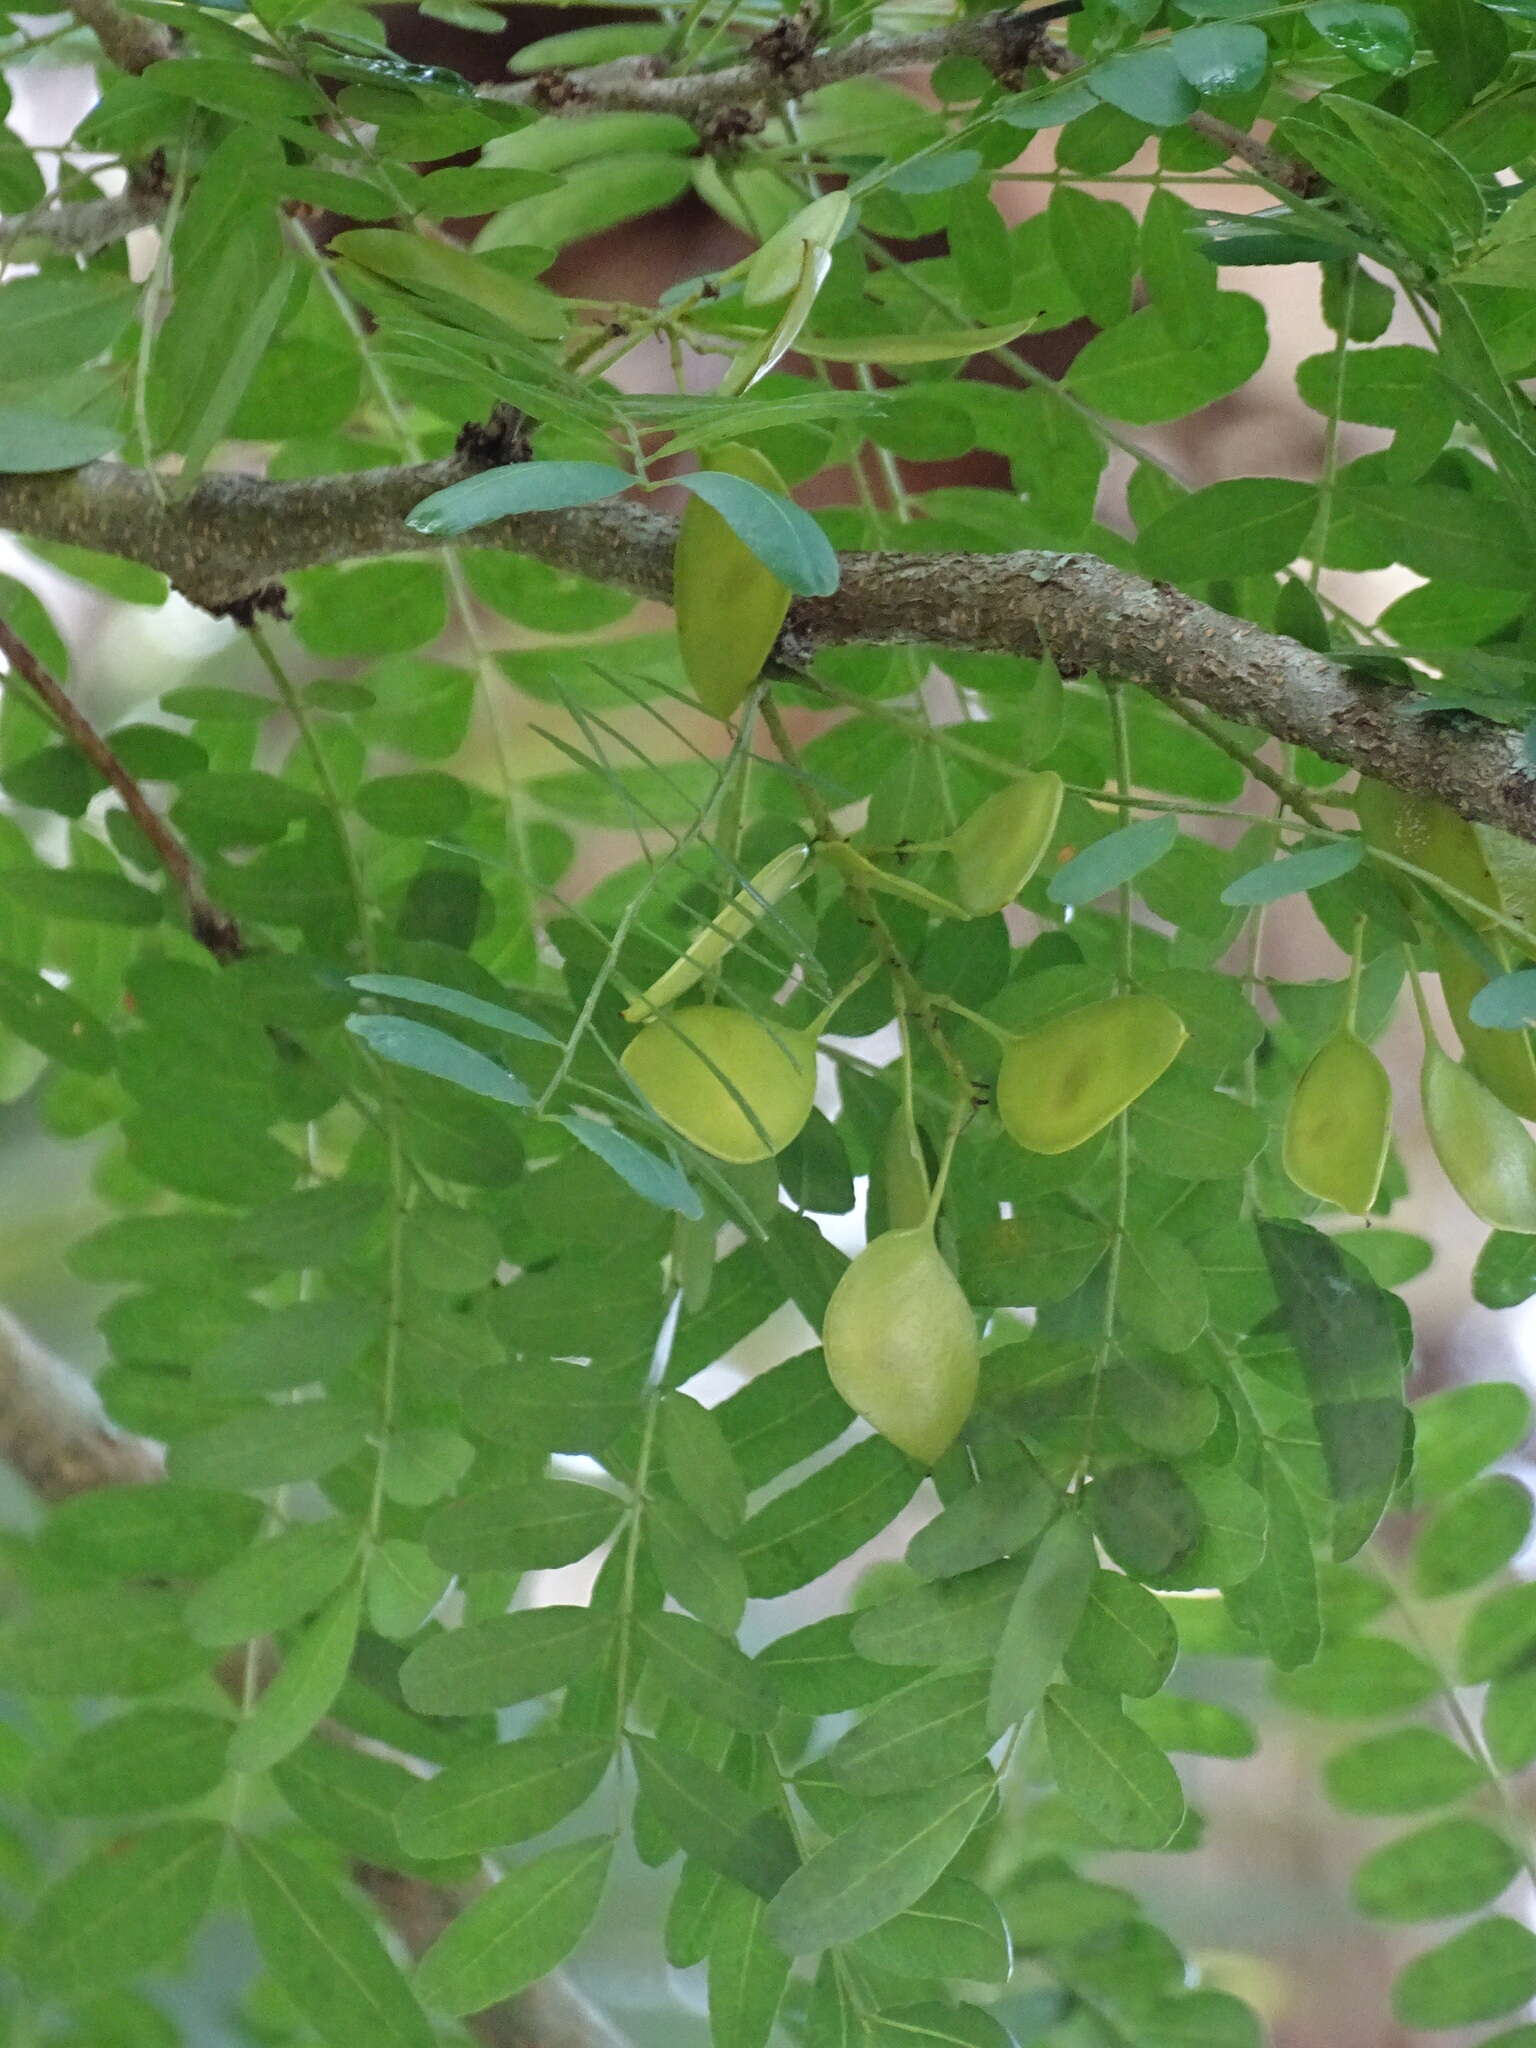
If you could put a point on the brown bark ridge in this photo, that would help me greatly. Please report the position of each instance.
(233, 534)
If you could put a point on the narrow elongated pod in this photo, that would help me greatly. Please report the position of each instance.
(731, 1084)
(709, 947)
(1063, 1082)
(900, 1343)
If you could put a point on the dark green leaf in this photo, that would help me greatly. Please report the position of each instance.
(505, 1794)
(511, 1657)
(126, 1908)
(1110, 1771)
(324, 1953)
(517, 1932)
(878, 1867)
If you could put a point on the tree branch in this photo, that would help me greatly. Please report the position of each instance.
(53, 1429)
(233, 533)
(54, 1433)
(1004, 42)
(79, 227)
(127, 40)
(209, 926)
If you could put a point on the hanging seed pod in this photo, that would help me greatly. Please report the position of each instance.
(1003, 841)
(1484, 1148)
(1063, 1082)
(731, 1084)
(900, 1343)
(729, 607)
(741, 915)
(1417, 829)
(1340, 1124)
(1501, 1060)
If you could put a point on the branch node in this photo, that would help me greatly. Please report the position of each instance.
(269, 600)
(780, 50)
(725, 130)
(552, 92)
(495, 442)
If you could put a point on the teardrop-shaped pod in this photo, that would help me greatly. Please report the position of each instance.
(729, 607)
(774, 271)
(731, 1084)
(900, 1343)
(1501, 1060)
(1486, 1151)
(1432, 837)
(1003, 841)
(746, 909)
(1340, 1124)
(1064, 1081)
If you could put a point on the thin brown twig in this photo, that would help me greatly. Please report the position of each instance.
(210, 926)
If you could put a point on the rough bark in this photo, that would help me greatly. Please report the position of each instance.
(233, 534)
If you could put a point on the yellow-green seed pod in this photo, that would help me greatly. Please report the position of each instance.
(729, 607)
(731, 1084)
(1417, 829)
(1501, 1060)
(1340, 1124)
(1484, 1148)
(1001, 843)
(741, 915)
(775, 270)
(900, 1343)
(1063, 1082)
(903, 1174)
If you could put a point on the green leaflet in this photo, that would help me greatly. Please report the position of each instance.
(507, 1794)
(748, 1973)
(304, 1688)
(877, 1867)
(121, 1911)
(324, 1953)
(1110, 1770)
(1351, 1354)
(518, 1931)
(1042, 1621)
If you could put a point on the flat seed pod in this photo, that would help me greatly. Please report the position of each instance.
(1501, 1060)
(1484, 1148)
(729, 607)
(1003, 841)
(900, 1343)
(1063, 1082)
(1340, 1124)
(741, 915)
(1417, 829)
(731, 1084)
